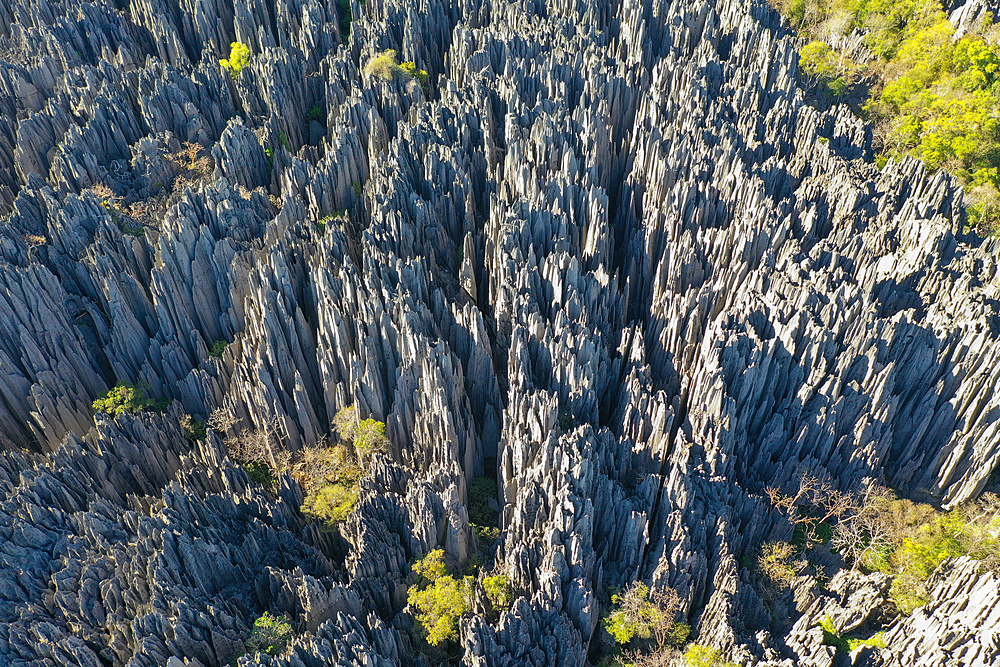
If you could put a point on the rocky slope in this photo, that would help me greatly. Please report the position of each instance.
(611, 253)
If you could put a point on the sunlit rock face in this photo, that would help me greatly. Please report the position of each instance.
(611, 254)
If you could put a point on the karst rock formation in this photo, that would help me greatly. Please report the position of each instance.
(612, 251)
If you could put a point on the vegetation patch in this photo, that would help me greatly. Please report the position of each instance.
(270, 634)
(193, 429)
(386, 66)
(831, 637)
(330, 474)
(125, 397)
(239, 57)
(315, 113)
(934, 97)
(876, 531)
(499, 591)
(439, 599)
(699, 655)
(218, 347)
(639, 614)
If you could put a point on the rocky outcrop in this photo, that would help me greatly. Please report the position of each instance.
(611, 253)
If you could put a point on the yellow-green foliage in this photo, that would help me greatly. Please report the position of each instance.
(499, 592)
(920, 539)
(638, 614)
(636, 619)
(821, 62)
(271, 634)
(239, 57)
(332, 504)
(128, 398)
(939, 100)
(440, 600)
(831, 637)
(330, 477)
(386, 66)
(370, 437)
(875, 641)
(699, 655)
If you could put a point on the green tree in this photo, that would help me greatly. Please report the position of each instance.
(639, 614)
(699, 655)
(270, 634)
(239, 57)
(499, 592)
(386, 66)
(125, 397)
(440, 600)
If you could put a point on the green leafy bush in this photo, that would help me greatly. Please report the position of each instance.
(386, 66)
(639, 614)
(260, 473)
(193, 429)
(270, 634)
(938, 100)
(699, 655)
(125, 397)
(315, 113)
(239, 57)
(331, 504)
(441, 600)
(499, 592)
(218, 347)
(330, 477)
(370, 437)
(832, 637)
(344, 9)
(819, 61)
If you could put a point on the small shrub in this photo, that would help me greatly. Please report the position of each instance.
(344, 9)
(639, 614)
(442, 602)
(218, 347)
(370, 437)
(481, 491)
(315, 113)
(270, 635)
(321, 466)
(260, 473)
(283, 138)
(269, 158)
(330, 477)
(345, 423)
(699, 655)
(193, 429)
(821, 63)
(777, 567)
(384, 65)
(499, 592)
(332, 504)
(221, 420)
(239, 57)
(125, 397)
(831, 637)
(875, 641)
(356, 189)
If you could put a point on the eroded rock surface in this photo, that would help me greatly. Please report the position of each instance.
(611, 252)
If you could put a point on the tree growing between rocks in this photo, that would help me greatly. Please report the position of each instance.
(439, 599)
(239, 57)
